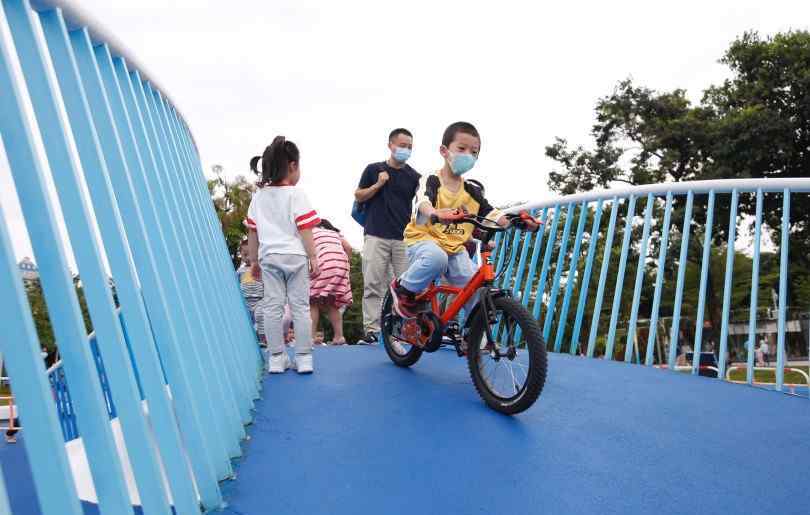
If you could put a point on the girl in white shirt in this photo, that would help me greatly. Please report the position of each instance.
(280, 221)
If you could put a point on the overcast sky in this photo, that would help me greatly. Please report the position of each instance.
(336, 77)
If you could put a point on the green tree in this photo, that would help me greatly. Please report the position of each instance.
(39, 312)
(641, 137)
(231, 200)
(762, 123)
(756, 124)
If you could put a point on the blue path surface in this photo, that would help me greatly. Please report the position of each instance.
(361, 436)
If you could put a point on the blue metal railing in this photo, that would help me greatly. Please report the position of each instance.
(61, 392)
(67, 417)
(184, 343)
(59, 385)
(638, 312)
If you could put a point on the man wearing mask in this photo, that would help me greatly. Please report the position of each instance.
(386, 190)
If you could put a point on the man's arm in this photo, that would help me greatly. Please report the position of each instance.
(364, 194)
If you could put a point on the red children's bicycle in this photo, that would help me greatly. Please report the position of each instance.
(505, 351)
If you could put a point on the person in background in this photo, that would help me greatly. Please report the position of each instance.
(317, 339)
(252, 288)
(289, 338)
(765, 348)
(331, 290)
(13, 429)
(286, 321)
(280, 220)
(682, 359)
(387, 190)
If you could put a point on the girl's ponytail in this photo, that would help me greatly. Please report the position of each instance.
(326, 224)
(276, 160)
(254, 164)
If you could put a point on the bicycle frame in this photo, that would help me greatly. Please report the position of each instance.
(484, 275)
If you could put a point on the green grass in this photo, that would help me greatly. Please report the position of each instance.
(769, 376)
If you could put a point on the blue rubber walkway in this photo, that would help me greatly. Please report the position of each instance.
(361, 436)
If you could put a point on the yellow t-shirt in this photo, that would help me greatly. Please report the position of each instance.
(451, 238)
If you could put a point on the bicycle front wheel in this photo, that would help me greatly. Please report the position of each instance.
(509, 373)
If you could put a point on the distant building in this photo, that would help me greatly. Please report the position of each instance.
(28, 270)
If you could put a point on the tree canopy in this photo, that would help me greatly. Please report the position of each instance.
(755, 124)
(231, 200)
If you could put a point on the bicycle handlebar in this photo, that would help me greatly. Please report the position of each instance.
(518, 220)
(480, 222)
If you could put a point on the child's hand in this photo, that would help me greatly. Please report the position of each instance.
(532, 224)
(446, 215)
(314, 269)
(527, 222)
(256, 272)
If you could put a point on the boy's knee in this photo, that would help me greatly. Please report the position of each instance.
(460, 270)
(435, 257)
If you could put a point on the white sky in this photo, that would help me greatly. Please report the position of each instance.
(336, 77)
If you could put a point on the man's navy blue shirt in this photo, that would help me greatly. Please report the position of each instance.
(389, 210)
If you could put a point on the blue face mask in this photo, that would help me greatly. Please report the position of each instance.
(462, 163)
(401, 154)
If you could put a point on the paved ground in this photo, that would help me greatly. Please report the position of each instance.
(362, 436)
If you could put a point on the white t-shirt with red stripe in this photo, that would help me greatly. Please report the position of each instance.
(278, 213)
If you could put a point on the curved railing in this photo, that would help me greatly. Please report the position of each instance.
(61, 390)
(125, 167)
(621, 313)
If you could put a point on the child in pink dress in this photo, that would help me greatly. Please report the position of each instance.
(332, 289)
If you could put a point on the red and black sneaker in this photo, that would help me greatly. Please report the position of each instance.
(404, 301)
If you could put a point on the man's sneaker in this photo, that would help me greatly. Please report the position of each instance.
(404, 300)
(369, 339)
(278, 363)
(303, 363)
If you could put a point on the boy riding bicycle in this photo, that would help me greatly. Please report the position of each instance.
(436, 245)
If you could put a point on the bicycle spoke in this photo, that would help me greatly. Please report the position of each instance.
(489, 377)
(525, 371)
(512, 373)
(510, 332)
(488, 367)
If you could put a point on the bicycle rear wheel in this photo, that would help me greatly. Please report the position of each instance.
(401, 352)
(510, 373)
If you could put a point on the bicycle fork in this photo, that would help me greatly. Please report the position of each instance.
(488, 305)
